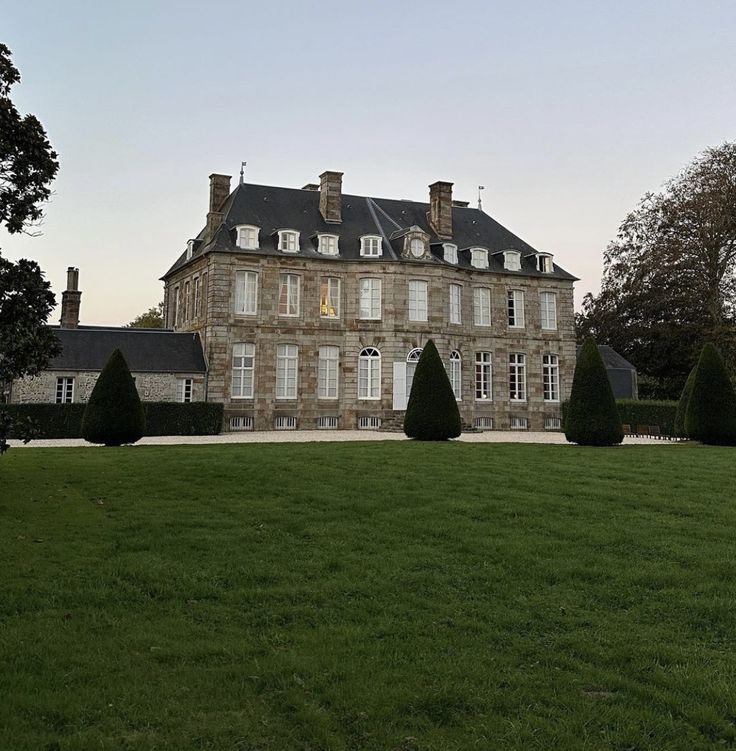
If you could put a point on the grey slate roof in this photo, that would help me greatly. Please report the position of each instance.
(612, 359)
(274, 208)
(145, 350)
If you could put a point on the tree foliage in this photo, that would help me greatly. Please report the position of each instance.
(432, 413)
(669, 280)
(592, 418)
(153, 318)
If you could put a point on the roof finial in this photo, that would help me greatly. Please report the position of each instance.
(242, 171)
(480, 203)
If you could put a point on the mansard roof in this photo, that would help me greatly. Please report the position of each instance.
(273, 208)
(145, 350)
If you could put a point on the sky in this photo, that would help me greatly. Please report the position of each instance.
(567, 113)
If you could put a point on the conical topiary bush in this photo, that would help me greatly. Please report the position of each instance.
(679, 426)
(711, 411)
(432, 413)
(114, 413)
(592, 417)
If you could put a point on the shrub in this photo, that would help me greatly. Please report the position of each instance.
(710, 416)
(432, 413)
(636, 412)
(52, 420)
(679, 429)
(592, 418)
(183, 418)
(114, 414)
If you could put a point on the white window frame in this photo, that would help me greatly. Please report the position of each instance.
(187, 300)
(190, 249)
(289, 295)
(456, 374)
(551, 378)
(328, 372)
(545, 264)
(512, 260)
(287, 371)
(243, 369)
(483, 377)
(329, 297)
(247, 237)
(241, 422)
(288, 241)
(64, 390)
(479, 258)
(369, 423)
(246, 293)
(411, 367)
(327, 422)
(197, 296)
(371, 246)
(482, 306)
(515, 308)
(517, 377)
(548, 310)
(418, 302)
(369, 374)
(328, 244)
(417, 242)
(184, 389)
(449, 253)
(176, 306)
(456, 303)
(370, 292)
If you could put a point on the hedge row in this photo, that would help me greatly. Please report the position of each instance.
(162, 418)
(635, 412)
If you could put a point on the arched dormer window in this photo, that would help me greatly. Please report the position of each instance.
(190, 248)
(247, 237)
(544, 263)
(370, 245)
(479, 258)
(449, 252)
(289, 240)
(328, 245)
(512, 260)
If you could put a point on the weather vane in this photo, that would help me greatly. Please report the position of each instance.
(242, 171)
(480, 203)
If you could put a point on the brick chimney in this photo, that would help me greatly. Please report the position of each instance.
(70, 300)
(219, 191)
(440, 209)
(330, 196)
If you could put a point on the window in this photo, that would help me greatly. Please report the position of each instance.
(64, 390)
(197, 297)
(483, 423)
(512, 260)
(203, 311)
(516, 308)
(370, 245)
(456, 292)
(329, 365)
(519, 423)
(548, 304)
(246, 292)
(417, 300)
(176, 306)
(416, 247)
(285, 423)
(183, 389)
(479, 258)
(190, 249)
(289, 295)
(187, 302)
(243, 369)
(370, 298)
(456, 375)
(369, 374)
(288, 241)
(369, 423)
(552, 423)
(482, 306)
(247, 237)
(449, 252)
(483, 376)
(328, 245)
(551, 378)
(517, 377)
(411, 365)
(241, 423)
(287, 364)
(327, 423)
(544, 263)
(329, 297)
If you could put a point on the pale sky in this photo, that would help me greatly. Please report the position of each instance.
(568, 112)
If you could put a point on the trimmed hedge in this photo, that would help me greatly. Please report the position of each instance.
(162, 418)
(635, 412)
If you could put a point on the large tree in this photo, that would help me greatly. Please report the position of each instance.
(28, 164)
(153, 318)
(669, 280)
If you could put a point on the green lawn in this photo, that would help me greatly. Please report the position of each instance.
(396, 596)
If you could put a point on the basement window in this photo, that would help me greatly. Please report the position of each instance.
(369, 423)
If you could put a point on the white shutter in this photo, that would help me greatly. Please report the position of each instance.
(399, 386)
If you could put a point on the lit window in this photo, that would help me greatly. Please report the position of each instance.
(246, 292)
(483, 376)
(329, 366)
(183, 389)
(548, 302)
(287, 365)
(370, 245)
(544, 263)
(369, 374)
(449, 252)
(516, 308)
(327, 245)
(455, 303)
(243, 368)
(417, 300)
(288, 241)
(512, 260)
(456, 374)
(329, 297)
(482, 306)
(517, 377)
(289, 295)
(411, 365)
(370, 298)
(551, 378)
(479, 258)
(247, 237)
(64, 390)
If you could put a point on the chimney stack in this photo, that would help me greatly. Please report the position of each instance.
(440, 209)
(330, 196)
(70, 300)
(219, 191)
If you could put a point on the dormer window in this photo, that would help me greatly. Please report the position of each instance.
(190, 248)
(247, 237)
(370, 245)
(479, 258)
(544, 263)
(327, 245)
(512, 260)
(288, 240)
(449, 252)
(416, 247)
